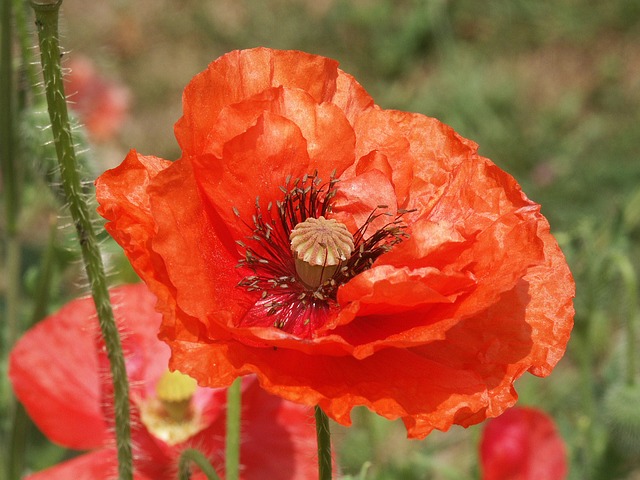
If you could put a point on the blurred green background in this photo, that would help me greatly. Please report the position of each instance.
(549, 89)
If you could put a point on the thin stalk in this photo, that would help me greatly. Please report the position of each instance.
(192, 455)
(232, 448)
(588, 407)
(9, 175)
(323, 435)
(28, 74)
(45, 275)
(12, 249)
(47, 25)
(7, 135)
(20, 425)
(20, 420)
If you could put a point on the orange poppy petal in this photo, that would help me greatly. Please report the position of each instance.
(422, 152)
(123, 199)
(550, 309)
(241, 74)
(192, 247)
(359, 197)
(468, 254)
(428, 395)
(259, 161)
(323, 126)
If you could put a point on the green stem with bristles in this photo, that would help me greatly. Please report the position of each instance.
(10, 177)
(47, 25)
(192, 455)
(28, 79)
(232, 447)
(12, 249)
(323, 435)
(7, 133)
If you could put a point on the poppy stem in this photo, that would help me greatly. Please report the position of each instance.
(192, 455)
(323, 435)
(10, 455)
(46, 12)
(232, 450)
(20, 424)
(10, 174)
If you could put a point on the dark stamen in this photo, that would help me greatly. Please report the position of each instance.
(267, 250)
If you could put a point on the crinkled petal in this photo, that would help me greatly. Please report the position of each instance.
(123, 198)
(427, 395)
(257, 163)
(421, 151)
(195, 249)
(462, 249)
(155, 223)
(242, 74)
(550, 309)
(358, 198)
(324, 127)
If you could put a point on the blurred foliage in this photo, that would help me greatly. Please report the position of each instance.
(549, 90)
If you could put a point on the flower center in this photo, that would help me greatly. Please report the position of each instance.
(175, 391)
(169, 415)
(300, 258)
(319, 246)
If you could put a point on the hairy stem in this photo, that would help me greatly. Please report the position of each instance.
(12, 250)
(28, 76)
(191, 455)
(323, 435)
(232, 449)
(7, 134)
(9, 175)
(47, 25)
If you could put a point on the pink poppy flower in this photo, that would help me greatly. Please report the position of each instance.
(59, 372)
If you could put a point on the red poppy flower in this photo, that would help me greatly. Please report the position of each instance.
(100, 103)
(58, 371)
(522, 444)
(345, 254)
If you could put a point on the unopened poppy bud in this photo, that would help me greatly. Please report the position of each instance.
(319, 246)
